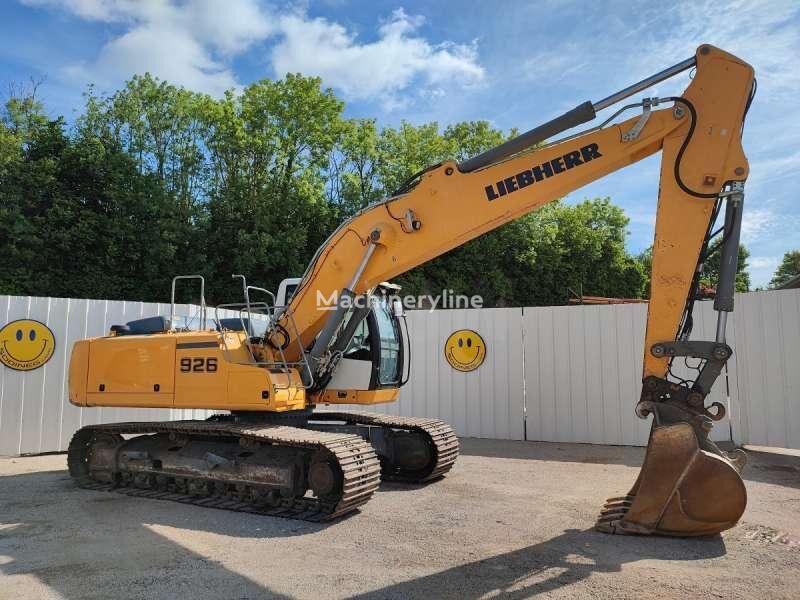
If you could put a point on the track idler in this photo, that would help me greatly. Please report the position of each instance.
(687, 485)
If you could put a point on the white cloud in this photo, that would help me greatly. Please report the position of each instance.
(191, 44)
(555, 65)
(233, 28)
(758, 31)
(185, 63)
(92, 10)
(376, 69)
(177, 42)
(767, 168)
(762, 268)
(764, 262)
(755, 223)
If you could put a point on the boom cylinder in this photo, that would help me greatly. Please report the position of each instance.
(343, 306)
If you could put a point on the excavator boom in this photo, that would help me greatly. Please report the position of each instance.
(688, 486)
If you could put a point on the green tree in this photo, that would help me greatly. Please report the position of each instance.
(353, 181)
(787, 270)
(158, 125)
(267, 208)
(155, 180)
(645, 259)
(710, 276)
(79, 220)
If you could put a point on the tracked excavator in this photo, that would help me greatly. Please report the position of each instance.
(271, 364)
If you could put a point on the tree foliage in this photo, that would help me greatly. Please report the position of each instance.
(156, 180)
(710, 273)
(711, 267)
(787, 270)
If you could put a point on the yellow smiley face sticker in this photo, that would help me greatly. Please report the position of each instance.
(26, 344)
(465, 350)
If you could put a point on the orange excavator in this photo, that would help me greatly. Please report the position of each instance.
(270, 364)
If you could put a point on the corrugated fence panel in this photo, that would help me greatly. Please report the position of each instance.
(583, 368)
(487, 402)
(769, 367)
(582, 373)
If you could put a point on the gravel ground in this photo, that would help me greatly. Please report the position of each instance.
(512, 520)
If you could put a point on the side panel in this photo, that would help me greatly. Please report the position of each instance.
(212, 371)
(201, 372)
(351, 374)
(197, 370)
(332, 396)
(78, 372)
(132, 371)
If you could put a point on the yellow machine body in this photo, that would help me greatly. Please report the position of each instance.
(196, 369)
(178, 370)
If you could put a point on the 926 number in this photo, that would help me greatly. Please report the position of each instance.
(198, 365)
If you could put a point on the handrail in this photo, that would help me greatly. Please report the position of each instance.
(202, 299)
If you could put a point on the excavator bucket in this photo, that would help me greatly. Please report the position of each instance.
(683, 489)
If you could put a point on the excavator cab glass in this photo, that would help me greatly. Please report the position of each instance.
(373, 357)
(389, 340)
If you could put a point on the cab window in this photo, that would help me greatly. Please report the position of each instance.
(389, 340)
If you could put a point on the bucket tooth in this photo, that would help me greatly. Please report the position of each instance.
(682, 489)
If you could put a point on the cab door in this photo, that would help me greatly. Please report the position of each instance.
(374, 357)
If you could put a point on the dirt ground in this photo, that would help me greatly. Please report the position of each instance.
(512, 520)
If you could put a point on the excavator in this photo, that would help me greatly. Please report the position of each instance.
(267, 368)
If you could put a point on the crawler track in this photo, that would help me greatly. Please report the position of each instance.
(442, 439)
(360, 468)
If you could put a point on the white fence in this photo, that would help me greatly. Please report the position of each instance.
(562, 374)
(581, 372)
(488, 402)
(767, 328)
(35, 414)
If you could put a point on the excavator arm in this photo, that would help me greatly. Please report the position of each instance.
(687, 486)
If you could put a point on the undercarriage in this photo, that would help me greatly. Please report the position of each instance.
(322, 467)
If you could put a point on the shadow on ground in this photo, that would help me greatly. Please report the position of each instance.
(559, 561)
(84, 544)
(90, 545)
(93, 545)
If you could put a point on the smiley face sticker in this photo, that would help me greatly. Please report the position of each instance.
(26, 344)
(465, 350)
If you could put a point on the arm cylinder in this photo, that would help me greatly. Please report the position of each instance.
(730, 253)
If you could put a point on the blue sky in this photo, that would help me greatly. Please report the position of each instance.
(515, 64)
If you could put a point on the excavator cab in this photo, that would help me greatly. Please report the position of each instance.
(369, 352)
